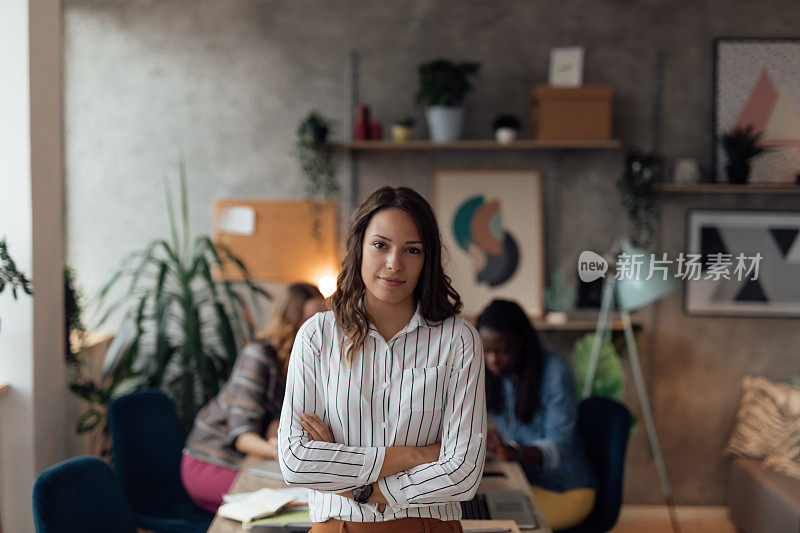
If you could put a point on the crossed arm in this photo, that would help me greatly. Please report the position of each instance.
(401, 476)
(397, 458)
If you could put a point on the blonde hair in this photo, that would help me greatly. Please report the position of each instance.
(287, 317)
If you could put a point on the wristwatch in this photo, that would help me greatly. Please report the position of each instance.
(362, 494)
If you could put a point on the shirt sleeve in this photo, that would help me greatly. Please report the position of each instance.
(322, 466)
(560, 412)
(455, 476)
(246, 396)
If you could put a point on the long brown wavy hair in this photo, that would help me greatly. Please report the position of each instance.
(287, 317)
(437, 298)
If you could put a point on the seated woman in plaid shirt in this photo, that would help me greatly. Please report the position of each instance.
(243, 418)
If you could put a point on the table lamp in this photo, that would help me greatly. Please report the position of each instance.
(630, 293)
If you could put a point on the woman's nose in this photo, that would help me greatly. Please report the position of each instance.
(393, 261)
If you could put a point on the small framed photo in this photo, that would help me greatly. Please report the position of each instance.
(566, 67)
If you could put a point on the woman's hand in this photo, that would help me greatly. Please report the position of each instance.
(497, 446)
(315, 427)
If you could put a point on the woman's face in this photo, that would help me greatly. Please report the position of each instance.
(391, 257)
(312, 307)
(500, 351)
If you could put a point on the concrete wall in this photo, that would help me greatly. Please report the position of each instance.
(225, 83)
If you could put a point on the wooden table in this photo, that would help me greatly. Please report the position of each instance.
(511, 477)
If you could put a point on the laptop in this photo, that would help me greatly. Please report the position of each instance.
(500, 504)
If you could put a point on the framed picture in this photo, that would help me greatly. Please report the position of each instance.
(761, 250)
(492, 226)
(756, 83)
(566, 67)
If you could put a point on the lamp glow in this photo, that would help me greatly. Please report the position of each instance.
(327, 285)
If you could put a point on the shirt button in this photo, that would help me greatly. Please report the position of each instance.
(383, 425)
(385, 385)
(480, 435)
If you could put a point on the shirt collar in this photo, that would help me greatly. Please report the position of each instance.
(416, 321)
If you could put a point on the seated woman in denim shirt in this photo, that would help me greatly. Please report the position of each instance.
(530, 394)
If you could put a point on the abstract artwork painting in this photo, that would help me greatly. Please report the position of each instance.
(491, 222)
(762, 245)
(756, 83)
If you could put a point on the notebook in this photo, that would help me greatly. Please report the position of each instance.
(259, 504)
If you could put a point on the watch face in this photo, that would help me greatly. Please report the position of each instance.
(362, 494)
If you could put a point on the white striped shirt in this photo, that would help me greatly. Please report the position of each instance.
(425, 385)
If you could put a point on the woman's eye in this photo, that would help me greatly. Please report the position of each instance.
(414, 251)
(378, 244)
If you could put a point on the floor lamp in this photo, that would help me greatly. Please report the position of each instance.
(629, 295)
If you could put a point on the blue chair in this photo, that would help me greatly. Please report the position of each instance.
(80, 495)
(605, 426)
(147, 442)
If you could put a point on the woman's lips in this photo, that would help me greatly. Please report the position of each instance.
(391, 282)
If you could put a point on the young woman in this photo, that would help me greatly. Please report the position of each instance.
(530, 393)
(242, 418)
(384, 416)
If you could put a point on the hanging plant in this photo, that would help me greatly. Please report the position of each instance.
(638, 194)
(317, 162)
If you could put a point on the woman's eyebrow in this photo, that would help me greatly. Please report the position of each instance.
(390, 240)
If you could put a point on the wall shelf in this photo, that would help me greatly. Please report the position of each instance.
(477, 144)
(750, 188)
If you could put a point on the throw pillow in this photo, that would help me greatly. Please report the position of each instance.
(784, 465)
(767, 421)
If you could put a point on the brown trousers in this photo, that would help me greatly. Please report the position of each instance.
(401, 525)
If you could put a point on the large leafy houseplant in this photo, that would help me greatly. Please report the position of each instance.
(182, 327)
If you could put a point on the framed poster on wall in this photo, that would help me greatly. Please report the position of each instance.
(492, 226)
(756, 84)
(760, 251)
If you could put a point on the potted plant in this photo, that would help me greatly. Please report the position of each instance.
(401, 129)
(317, 163)
(506, 128)
(637, 193)
(443, 86)
(740, 146)
(316, 156)
(182, 326)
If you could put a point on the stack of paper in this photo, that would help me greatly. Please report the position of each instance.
(290, 519)
(259, 504)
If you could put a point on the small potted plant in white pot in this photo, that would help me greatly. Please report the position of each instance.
(506, 128)
(443, 86)
(401, 129)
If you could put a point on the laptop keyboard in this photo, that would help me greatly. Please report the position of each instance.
(475, 509)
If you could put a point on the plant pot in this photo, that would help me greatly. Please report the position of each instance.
(444, 123)
(505, 135)
(738, 173)
(400, 133)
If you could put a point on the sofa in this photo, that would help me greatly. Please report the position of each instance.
(761, 500)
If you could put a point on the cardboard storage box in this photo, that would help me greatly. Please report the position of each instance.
(571, 114)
